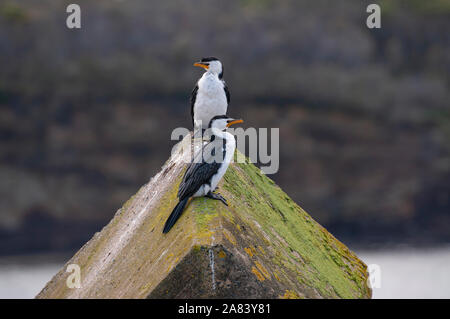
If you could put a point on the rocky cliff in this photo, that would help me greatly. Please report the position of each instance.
(263, 245)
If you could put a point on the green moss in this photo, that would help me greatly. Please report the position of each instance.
(291, 229)
(206, 210)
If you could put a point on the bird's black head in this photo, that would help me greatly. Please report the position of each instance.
(222, 122)
(211, 64)
(209, 59)
(217, 117)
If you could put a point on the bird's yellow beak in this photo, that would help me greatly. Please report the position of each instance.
(234, 122)
(202, 65)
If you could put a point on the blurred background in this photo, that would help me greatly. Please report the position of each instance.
(364, 117)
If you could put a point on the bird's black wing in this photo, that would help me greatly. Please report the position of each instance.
(200, 170)
(193, 98)
(196, 175)
(227, 92)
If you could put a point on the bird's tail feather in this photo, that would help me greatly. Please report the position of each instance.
(176, 213)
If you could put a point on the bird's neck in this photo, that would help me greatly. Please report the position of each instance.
(210, 76)
(230, 143)
(219, 133)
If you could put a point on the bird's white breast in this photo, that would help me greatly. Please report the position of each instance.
(211, 100)
(230, 147)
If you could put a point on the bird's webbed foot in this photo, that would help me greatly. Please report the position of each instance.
(217, 196)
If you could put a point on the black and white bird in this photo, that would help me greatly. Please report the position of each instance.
(207, 168)
(210, 97)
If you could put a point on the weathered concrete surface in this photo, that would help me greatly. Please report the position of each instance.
(262, 246)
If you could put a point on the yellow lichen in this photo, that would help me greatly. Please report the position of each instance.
(290, 294)
(249, 251)
(229, 236)
(262, 269)
(258, 274)
(276, 276)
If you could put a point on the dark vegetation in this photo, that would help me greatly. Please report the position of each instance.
(364, 116)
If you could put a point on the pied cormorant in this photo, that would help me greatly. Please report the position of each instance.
(207, 168)
(210, 97)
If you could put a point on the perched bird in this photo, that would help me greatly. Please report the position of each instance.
(210, 97)
(207, 168)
